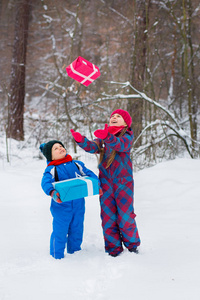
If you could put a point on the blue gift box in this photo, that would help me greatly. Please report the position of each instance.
(76, 188)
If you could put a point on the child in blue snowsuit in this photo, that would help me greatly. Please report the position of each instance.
(114, 143)
(68, 217)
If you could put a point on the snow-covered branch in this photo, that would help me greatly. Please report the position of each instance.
(173, 131)
(173, 124)
(73, 14)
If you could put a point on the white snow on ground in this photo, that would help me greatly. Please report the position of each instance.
(167, 204)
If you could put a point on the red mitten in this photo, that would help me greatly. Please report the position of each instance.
(55, 196)
(77, 136)
(102, 133)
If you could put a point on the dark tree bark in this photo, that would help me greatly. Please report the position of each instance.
(139, 62)
(15, 128)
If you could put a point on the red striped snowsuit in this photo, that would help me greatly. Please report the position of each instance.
(117, 212)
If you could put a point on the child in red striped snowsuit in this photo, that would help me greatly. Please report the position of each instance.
(115, 173)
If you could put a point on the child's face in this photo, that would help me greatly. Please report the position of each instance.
(117, 120)
(58, 152)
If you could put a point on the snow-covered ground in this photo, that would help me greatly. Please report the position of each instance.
(167, 204)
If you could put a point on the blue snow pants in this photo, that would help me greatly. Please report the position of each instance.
(68, 218)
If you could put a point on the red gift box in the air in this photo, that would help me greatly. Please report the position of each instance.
(83, 71)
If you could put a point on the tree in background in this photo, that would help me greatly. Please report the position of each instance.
(139, 61)
(186, 29)
(153, 45)
(15, 127)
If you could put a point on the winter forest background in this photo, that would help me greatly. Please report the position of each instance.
(148, 53)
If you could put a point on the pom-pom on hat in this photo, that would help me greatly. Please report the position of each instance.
(125, 115)
(46, 148)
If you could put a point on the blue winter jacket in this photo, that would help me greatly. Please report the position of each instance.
(71, 169)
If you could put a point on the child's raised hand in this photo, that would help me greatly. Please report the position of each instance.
(55, 196)
(102, 133)
(77, 136)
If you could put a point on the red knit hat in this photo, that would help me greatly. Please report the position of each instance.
(125, 115)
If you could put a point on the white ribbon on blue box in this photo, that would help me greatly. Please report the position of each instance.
(76, 188)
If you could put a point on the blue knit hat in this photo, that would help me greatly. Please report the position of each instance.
(46, 148)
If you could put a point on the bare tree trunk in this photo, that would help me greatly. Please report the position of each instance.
(17, 84)
(188, 64)
(139, 62)
(193, 78)
(187, 74)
